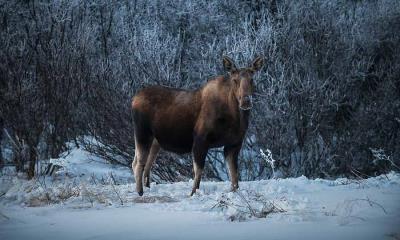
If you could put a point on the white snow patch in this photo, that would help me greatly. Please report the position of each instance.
(79, 163)
(90, 199)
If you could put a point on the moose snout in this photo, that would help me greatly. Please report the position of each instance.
(246, 102)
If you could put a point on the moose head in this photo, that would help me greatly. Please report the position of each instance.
(242, 79)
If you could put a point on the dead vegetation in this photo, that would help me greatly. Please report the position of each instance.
(253, 206)
(154, 199)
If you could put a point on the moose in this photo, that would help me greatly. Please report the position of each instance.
(183, 121)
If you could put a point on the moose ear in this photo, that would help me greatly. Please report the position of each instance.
(257, 64)
(229, 65)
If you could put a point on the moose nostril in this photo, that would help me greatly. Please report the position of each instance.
(246, 103)
(247, 98)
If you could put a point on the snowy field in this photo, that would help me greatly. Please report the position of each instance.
(89, 199)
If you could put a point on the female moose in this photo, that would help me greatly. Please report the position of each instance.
(216, 115)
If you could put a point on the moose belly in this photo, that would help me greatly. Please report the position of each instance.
(176, 134)
(223, 137)
(176, 138)
(180, 140)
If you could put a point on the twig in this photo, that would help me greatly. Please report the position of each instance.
(115, 190)
(372, 203)
(12, 140)
(247, 203)
(268, 158)
(2, 214)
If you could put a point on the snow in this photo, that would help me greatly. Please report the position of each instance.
(90, 199)
(79, 162)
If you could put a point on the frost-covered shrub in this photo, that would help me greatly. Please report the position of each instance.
(328, 93)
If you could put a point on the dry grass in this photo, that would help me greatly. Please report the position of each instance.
(253, 206)
(154, 199)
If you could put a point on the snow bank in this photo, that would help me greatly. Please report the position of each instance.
(293, 199)
(80, 163)
(85, 184)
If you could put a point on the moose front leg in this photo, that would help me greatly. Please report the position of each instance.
(199, 150)
(231, 156)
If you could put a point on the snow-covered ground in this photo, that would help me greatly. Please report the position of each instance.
(90, 199)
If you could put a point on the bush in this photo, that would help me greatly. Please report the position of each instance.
(328, 93)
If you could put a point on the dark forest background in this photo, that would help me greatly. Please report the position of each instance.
(327, 99)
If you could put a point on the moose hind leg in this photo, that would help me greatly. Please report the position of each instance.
(134, 163)
(141, 154)
(231, 156)
(155, 148)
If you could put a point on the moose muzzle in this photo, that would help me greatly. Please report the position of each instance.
(246, 103)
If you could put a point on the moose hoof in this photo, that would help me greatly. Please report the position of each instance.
(140, 193)
(234, 188)
(147, 182)
(193, 192)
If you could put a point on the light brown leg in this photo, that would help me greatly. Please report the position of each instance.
(155, 148)
(231, 156)
(134, 163)
(141, 153)
(198, 170)
(199, 158)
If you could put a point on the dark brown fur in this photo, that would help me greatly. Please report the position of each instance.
(181, 121)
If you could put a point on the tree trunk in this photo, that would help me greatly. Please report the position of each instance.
(32, 162)
(1, 152)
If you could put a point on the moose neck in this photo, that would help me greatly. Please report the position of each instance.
(244, 118)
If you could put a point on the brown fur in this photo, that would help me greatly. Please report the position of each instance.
(181, 121)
